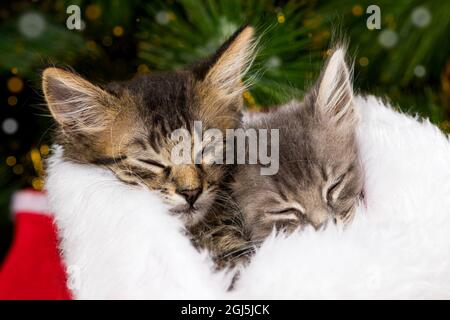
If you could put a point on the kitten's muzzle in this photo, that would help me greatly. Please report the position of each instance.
(191, 195)
(319, 219)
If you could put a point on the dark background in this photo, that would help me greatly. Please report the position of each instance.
(407, 60)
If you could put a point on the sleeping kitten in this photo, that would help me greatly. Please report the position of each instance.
(320, 178)
(126, 126)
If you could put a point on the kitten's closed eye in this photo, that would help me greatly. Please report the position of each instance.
(152, 163)
(287, 213)
(332, 192)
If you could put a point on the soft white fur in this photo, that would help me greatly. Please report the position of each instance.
(120, 243)
(398, 246)
(124, 245)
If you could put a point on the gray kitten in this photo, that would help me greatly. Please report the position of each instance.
(320, 178)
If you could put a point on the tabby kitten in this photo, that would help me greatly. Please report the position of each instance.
(126, 126)
(320, 178)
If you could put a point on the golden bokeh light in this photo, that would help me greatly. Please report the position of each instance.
(37, 183)
(357, 10)
(12, 100)
(37, 161)
(44, 149)
(363, 61)
(15, 84)
(18, 169)
(93, 12)
(11, 161)
(118, 31)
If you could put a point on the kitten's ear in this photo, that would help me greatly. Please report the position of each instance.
(225, 69)
(334, 95)
(77, 104)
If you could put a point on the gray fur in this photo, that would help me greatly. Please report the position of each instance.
(320, 175)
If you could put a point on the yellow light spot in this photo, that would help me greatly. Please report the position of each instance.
(37, 161)
(281, 18)
(357, 10)
(15, 84)
(249, 98)
(18, 169)
(44, 149)
(118, 31)
(14, 70)
(93, 12)
(11, 161)
(91, 45)
(143, 68)
(12, 100)
(37, 183)
(329, 52)
(363, 61)
(107, 41)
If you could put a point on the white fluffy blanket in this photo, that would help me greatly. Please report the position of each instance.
(118, 242)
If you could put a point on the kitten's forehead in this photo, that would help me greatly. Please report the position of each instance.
(167, 98)
(311, 149)
(158, 90)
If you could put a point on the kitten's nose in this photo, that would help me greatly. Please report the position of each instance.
(191, 195)
(319, 219)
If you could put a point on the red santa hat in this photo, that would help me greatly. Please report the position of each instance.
(33, 268)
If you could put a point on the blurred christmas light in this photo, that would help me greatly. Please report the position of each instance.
(12, 100)
(11, 161)
(93, 11)
(388, 38)
(91, 45)
(420, 71)
(14, 70)
(15, 84)
(44, 149)
(10, 126)
(281, 18)
(37, 183)
(421, 17)
(18, 169)
(118, 31)
(363, 61)
(32, 25)
(162, 17)
(273, 62)
(249, 98)
(37, 161)
(357, 10)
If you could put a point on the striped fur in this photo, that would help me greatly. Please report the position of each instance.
(126, 126)
(320, 177)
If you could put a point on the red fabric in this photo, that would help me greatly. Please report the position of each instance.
(33, 267)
